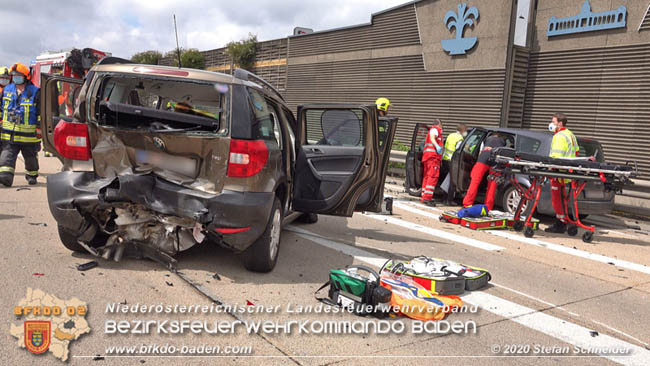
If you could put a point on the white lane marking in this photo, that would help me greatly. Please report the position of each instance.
(556, 247)
(621, 333)
(435, 216)
(555, 327)
(575, 252)
(534, 298)
(393, 186)
(408, 208)
(357, 253)
(568, 332)
(437, 233)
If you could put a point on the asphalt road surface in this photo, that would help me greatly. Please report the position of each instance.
(551, 297)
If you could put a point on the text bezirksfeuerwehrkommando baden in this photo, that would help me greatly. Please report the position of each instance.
(310, 326)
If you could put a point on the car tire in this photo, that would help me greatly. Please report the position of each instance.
(308, 218)
(69, 240)
(411, 191)
(263, 254)
(509, 201)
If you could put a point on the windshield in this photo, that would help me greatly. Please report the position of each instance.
(160, 104)
(591, 148)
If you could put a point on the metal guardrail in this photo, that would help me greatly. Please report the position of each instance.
(397, 156)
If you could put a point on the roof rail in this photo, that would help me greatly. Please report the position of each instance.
(111, 60)
(249, 76)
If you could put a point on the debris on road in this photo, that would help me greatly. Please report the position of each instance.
(38, 274)
(87, 266)
(169, 284)
(216, 277)
(593, 333)
(37, 223)
(23, 189)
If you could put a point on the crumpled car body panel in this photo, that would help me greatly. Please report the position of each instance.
(79, 197)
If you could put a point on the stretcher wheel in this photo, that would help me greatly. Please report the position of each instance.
(572, 230)
(518, 225)
(588, 237)
(442, 219)
(529, 232)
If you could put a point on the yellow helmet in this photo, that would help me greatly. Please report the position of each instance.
(5, 79)
(382, 104)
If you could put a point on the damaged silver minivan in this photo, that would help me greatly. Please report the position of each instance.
(159, 159)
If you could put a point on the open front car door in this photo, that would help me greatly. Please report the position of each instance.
(340, 166)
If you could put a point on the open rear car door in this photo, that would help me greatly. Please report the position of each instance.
(414, 167)
(58, 97)
(341, 163)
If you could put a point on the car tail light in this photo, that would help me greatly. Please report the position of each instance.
(247, 157)
(71, 140)
(232, 230)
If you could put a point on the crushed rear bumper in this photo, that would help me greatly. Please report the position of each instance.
(73, 197)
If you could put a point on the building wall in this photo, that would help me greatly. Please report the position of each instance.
(600, 79)
(271, 61)
(399, 56)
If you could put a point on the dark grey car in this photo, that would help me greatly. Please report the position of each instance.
(594, 199)
(159, 159)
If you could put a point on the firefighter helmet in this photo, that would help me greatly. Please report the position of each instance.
(22, 69)
(382, 104)
(4, 77)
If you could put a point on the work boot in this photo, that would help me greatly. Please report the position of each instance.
(430, 203)
(31, 180)
(6, 181)
(558, 227)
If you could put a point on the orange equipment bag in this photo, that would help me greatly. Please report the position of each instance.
(414, 301)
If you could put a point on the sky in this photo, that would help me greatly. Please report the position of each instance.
(124, 27)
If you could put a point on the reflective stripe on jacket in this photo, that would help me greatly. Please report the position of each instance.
(429, 146)
(450, 145)
(564, 144)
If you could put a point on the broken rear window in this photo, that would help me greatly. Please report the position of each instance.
(159, 104)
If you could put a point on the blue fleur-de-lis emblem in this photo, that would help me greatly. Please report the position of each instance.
(460, 20)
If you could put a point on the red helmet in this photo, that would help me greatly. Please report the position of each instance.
(22, 69)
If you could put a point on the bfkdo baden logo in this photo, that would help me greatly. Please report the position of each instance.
(37, 335)
(49, 323)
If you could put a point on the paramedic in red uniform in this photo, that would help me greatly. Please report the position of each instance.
(431, 159)
(482, 166)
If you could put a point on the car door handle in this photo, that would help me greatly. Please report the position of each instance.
(316, 150)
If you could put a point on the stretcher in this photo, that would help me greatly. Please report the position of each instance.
(541, 169)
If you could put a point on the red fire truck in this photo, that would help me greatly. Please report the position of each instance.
(71, 63)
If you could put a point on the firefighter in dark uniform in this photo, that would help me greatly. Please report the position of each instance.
(20, 126)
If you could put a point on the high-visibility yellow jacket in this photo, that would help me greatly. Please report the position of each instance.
(450, 145)
(564, 144)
